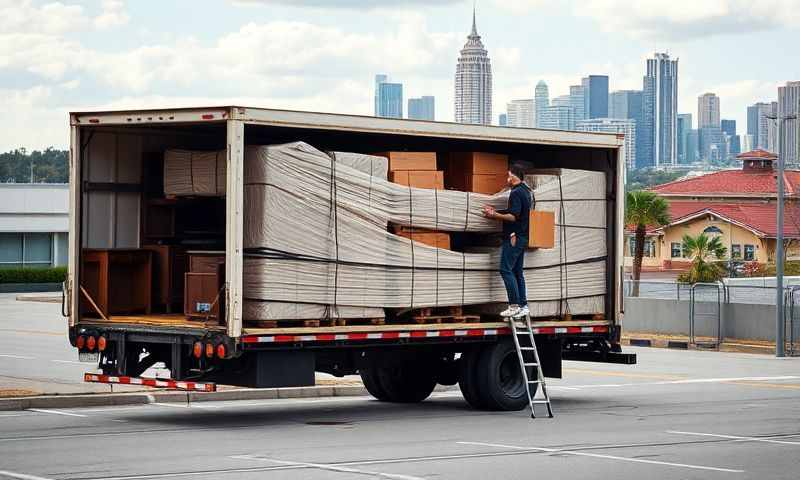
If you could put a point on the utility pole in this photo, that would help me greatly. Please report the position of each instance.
(779, 307)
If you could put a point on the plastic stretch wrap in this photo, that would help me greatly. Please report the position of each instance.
(316, 241)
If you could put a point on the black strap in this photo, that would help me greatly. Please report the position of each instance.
(436, 228)
(334, 209)
(191, 170)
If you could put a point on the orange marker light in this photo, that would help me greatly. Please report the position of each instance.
(80, 342)
(90, 343)
(209, 350)
(221, 350)
(197, 350)
(102, 343)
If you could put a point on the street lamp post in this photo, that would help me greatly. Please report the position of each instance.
(779, 313)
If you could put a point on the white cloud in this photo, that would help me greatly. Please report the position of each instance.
(689, 19)
(350, 4)
(113, 15)
(51, 18)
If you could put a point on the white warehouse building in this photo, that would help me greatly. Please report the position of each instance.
(614, 125)
(34, 224)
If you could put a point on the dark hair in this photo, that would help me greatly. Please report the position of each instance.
(518, 170)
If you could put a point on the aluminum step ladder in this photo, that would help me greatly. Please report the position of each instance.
(531, 361)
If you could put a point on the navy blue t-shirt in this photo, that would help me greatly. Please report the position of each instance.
(519, 205)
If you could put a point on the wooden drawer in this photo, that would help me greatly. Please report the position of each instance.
(205, 263)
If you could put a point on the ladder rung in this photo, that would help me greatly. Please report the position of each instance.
(527, 348)
(534, 381)
(539, 402)
(530, 364)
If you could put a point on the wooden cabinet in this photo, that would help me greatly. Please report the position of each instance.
(117, 280)
(203, 284)
(170, 264)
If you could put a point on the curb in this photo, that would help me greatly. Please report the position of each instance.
(116, 399)
(675, 344)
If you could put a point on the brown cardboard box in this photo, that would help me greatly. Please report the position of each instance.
(480, 183)
(418, 179)
(477, 163)
(433, 239)
(542, 229)
(410, 160)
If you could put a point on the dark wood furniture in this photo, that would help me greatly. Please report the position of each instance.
(118, 281)
(170, 263)
(203, 283)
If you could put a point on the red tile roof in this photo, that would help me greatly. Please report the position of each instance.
(761, 218)
(731, 183)
(758, 153)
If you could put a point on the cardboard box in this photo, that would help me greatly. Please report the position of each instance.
(410, 160)
(542, 229)
(418, 179)
(477, 163)
(488, 184)
(433, 239)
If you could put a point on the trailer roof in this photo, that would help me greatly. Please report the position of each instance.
(354, 123)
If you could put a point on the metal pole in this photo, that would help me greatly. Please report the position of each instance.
(779, 333)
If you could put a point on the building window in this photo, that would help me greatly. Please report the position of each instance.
(736, 251)
(26, 249)
(676, 250)
(649, 247)
(749, 252)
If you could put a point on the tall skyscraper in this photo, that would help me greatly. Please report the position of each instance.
(595, 92)
(422, 108)
(521, 113)
(380, 78)
(388, 98)
(789, 105)
(577, 99)
(708, 110)
(683, 129)
(614, 125)
(473, 88)
(660, 108)
(557, 117)
(747, 142)
(541, 98)
(692, 146)
(762, 128)
(627, 104)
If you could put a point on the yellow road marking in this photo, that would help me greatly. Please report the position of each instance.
(788, 386)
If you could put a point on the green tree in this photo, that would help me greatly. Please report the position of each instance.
(703, 248)
(644, 178)
(43, 166)
(643, 209)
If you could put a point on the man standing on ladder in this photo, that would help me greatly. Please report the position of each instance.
(515, 220)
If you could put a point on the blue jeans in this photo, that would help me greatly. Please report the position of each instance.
(512, 262)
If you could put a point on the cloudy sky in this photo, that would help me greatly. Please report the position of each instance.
(322, 55)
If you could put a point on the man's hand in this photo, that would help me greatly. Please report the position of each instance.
(489, 211)
(513, 240)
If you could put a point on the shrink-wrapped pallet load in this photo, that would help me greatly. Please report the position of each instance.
(316, 242)
(194, 173)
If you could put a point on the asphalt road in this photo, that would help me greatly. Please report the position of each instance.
(677, 414)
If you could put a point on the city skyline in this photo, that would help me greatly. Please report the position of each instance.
(322, 57)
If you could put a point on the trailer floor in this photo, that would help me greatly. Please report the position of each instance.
(677, 414)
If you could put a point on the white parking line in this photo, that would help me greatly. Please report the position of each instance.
(21, 357)
(56, 412)
(676, 382)
(325, 466)
(607, 457)
(20, 476)
(72, 362)
(768, 439)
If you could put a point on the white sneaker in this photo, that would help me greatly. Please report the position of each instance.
(523, 312)
(510, 311)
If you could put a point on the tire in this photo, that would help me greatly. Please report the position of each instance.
(408, 382)
(468, 380)
(500, 381)
(373, 385)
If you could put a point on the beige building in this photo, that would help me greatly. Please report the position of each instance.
(738, 206)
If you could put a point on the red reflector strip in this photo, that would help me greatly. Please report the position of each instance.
(151, 382)
(471, 332)
(207, 116)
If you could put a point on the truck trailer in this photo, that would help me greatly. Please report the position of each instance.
(157, 277)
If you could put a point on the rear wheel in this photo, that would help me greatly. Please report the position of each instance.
(407, 382)
(371, 382)
(500, 381)
(468, 378)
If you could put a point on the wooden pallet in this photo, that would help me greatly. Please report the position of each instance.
(330, 322)
(443, 315)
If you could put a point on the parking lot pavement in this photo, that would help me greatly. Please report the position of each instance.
(676, 414)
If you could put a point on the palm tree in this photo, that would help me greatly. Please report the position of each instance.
(703, 248)
(643, 209)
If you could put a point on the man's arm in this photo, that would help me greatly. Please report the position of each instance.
(510, 214)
